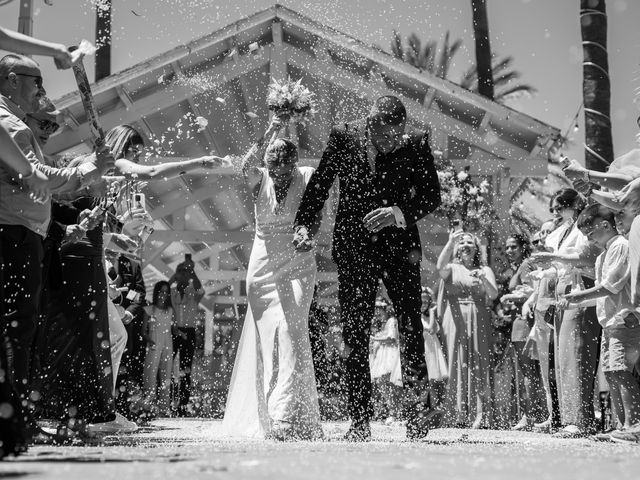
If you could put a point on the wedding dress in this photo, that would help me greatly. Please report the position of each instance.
(273, 382)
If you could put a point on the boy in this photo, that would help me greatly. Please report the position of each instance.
(620, 326)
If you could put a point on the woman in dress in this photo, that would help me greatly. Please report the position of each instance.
(469, 288)
(158, 360)
(517, 289)
(571, 263)
(273, 390)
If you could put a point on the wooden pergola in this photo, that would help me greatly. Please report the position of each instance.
(223, 77)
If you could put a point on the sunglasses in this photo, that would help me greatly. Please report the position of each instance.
(47, 126)
(38, 78)
(536, 242)
(557, 208)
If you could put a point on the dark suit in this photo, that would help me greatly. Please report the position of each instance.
(405, 178)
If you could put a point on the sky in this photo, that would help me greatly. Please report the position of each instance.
(543, 36)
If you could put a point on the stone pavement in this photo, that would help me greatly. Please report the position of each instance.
(190, 449)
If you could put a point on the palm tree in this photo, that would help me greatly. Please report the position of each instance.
(103, 40)
(438, 60)
(596, 87)
(484, 59)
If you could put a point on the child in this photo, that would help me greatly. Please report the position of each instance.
(621, 328)
(385, 359)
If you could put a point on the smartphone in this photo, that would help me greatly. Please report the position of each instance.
(139, 201)
(457, 225)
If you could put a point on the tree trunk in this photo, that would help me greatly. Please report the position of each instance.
(103, 40)
(483, 48)
(596, 87)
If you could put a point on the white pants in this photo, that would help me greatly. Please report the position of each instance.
(117, 339)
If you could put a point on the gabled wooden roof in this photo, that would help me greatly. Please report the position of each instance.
(223, 77)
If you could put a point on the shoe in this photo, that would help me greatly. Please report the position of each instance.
(118, 426)
(359, 431)
(128, 425)
(570, 431)
(419, 423)
(626, 436)
(523, 425)
(543, 427)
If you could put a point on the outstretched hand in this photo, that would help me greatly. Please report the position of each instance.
(573, 170)
(212, 161)
(630, 195)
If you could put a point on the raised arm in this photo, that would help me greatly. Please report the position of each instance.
(166, 170)
(19, 43)
(444, 260)
(614, 181)
(252, 160)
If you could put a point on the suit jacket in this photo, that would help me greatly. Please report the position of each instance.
(130, 276)
(406, 178)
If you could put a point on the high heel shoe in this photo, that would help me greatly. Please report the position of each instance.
(523, 425)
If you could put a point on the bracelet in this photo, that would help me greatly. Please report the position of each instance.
(585, 176)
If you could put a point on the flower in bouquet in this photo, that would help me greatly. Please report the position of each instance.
(463, 199)
(292, 99)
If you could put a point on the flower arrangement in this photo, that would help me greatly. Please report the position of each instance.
(291, 98)
(463, 200)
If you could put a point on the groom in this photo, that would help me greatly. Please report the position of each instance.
(387, 183)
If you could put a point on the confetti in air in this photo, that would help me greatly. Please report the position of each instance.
(202, 123)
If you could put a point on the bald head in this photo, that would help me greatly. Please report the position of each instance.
(21, 81)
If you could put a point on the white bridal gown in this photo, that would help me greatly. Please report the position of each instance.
(273, 378)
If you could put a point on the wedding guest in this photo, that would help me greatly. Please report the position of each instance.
(528, 376)
(385, 359)
(159, 321)
(433, 354)
(621, 327)
(577, 331)
(540, 342)
(186, 294)
(24, 222)
(469, 289)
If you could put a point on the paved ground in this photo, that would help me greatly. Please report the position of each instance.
(190, 450)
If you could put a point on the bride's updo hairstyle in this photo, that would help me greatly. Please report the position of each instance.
(280, 152)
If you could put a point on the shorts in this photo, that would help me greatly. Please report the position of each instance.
(620, 350)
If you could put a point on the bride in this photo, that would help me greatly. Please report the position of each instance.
(273, 391)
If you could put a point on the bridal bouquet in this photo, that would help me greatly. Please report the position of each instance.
(463, 199)
(292, 99)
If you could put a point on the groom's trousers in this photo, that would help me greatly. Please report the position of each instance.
(359, 282)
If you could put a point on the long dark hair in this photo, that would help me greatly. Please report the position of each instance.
(120, 138)
(569, 198)
(156, 295)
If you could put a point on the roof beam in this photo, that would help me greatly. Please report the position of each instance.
(154, 102)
